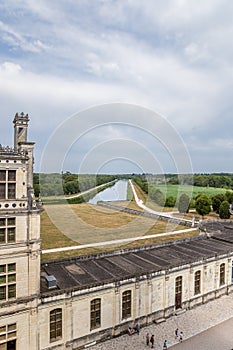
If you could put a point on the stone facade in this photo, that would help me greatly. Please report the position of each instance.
(70, 304)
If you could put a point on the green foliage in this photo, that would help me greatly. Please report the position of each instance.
(65, 184)
(203, 205)
(183, 205)
(217, 200)
(170, 202)
(141, 181)
(202, 180)
(224, 212)
(229, 196)
(37, 190)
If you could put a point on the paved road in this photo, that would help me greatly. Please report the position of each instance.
(160, 213)
(219, 337)
(197, 325)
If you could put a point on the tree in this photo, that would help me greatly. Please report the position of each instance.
(170, 202)
(183, 205)
(203, 205)
(216, 201)
(224, 212)
(229, 196)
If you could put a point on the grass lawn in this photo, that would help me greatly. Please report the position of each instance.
(191, 191)
(85, 223)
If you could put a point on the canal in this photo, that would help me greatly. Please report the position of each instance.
(117, 192)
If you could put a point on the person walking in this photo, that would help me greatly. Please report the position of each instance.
(176, 333)
(165, 345)
(147, 339)
(181, 336)
(152, 340)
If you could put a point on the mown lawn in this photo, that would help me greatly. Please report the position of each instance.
(85, 223)
(192, 191)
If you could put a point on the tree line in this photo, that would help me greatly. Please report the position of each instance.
(204, 204)
(67, 183)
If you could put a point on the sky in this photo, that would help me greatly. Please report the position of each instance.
(120, 86)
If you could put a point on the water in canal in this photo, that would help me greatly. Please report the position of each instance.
(117, 192)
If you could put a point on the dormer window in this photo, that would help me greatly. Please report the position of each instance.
(7, 184)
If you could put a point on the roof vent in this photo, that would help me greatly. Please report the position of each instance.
(51, 281)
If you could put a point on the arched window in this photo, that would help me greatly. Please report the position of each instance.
(178, 292)
(222, 274)
(197, 282)
(126, 304)
(55, 324)
(95, 313)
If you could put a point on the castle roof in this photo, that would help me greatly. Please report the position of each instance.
(88, 271)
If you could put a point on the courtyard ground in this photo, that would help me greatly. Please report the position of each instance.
(192, 323)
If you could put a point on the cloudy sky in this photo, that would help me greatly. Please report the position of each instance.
(60, 58)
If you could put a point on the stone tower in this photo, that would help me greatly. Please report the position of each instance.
(19, 243)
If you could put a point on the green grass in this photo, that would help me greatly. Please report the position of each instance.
(191, 191)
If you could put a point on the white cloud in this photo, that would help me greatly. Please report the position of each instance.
(175, 58)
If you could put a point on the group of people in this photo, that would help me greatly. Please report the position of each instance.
(179, 335)
(135, 329)
(151, 339)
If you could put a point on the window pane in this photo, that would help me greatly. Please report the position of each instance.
(2, 337)
(2, 329)
(11, 222)
(11, 291)
(11, 175)
(11, 234)
(2, 175)
(2, 279)
(11, 191)
(2, 191)
(2, 222)
(11, 327)
(12, 335)
(2, 235)
(2, 293)
(11, 267)
(2, 268)
(12, 278)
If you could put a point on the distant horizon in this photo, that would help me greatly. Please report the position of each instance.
(121, 174)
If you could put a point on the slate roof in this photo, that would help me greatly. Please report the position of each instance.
(86, 271)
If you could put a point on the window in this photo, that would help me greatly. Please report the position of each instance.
(7, 184)
(126, 304)
(7, 282)
(95, 313)
(55, 324)
(197, 282)
(232, 272)
(222, 274)
(8, 337)
(7, 230)
(178, 292)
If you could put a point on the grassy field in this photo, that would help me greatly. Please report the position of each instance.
(85, 223)
(74, 224)
(192, 191)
